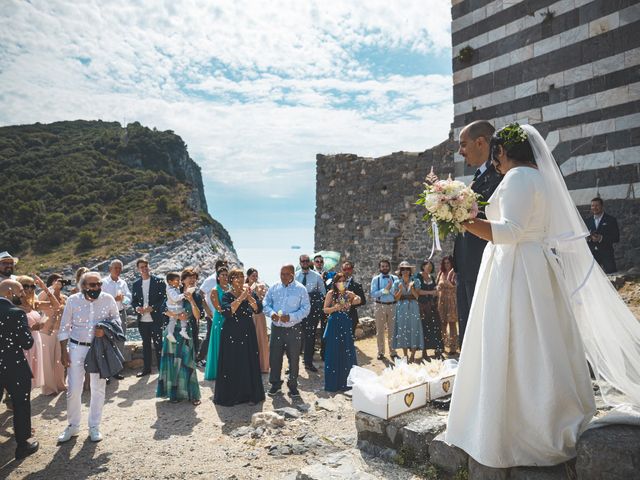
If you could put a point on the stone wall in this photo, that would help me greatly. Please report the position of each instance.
(365, 207)
(572, 69)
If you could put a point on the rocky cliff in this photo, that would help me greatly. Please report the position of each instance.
(84, 192)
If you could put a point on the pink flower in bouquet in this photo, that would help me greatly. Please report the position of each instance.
(474, 210)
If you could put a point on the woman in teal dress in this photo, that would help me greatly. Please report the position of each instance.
(178, 378)
(408, 327)
(211, 369)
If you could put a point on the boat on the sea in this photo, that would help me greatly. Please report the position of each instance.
(295, 247)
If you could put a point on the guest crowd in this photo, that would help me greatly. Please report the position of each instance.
(49, 340)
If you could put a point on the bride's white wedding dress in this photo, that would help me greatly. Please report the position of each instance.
(523, 391)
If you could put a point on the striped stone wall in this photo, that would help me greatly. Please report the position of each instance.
(572, 69)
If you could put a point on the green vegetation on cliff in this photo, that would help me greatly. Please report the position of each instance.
(74, 190)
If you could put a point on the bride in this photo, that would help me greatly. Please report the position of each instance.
(541, 309)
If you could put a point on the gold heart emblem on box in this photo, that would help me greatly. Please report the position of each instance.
(446, 385)
(408, 398)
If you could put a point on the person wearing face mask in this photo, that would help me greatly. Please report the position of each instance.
(15, 374)
(385, 310)
(82, 312)
(340, 353)
(7, 266)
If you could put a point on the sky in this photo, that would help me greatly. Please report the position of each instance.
(255, 89)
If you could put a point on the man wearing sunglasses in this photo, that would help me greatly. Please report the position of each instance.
(82, 312)
(314, 284)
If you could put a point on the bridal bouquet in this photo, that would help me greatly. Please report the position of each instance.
(448, 204)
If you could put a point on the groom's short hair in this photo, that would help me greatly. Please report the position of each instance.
(480, 128)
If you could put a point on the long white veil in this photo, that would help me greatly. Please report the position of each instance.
(609, 330)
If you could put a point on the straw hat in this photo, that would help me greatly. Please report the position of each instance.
(5, 255)
(405, 264)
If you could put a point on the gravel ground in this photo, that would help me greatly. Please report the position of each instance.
(147, 438)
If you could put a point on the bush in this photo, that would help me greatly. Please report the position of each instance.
(160, 191)
(75, 219)
(87, 240)
(161, 204)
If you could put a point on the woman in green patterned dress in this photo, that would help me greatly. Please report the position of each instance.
(178, 378)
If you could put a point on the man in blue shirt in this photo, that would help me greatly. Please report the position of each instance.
(315, 288)
(382, 291)
(287, 304)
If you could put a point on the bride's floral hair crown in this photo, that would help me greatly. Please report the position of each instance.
(511, 135)
(515, 142)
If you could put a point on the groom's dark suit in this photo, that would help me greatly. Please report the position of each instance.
(467, 251)
(603, 250)
(151, 332)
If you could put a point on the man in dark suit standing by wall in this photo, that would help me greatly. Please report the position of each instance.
(148, 297)
(604, 233)
(474, 141)
(355, 287)
(15, 374)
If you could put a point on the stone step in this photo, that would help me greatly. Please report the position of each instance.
(417, 438)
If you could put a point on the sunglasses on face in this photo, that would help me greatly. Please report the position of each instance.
(29, 286)
(93, 284)
(318, 261)
(305, 261)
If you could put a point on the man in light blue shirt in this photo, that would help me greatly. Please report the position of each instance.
(315, 287)
(382, 291)
(287, 304)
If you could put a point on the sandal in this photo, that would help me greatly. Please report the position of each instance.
(195, 403)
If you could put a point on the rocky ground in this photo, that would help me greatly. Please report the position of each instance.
(146, 438)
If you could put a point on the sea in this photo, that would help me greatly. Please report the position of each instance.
(266, 251)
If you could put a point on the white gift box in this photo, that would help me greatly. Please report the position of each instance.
(392, 404)
(400, 389)
(441, 387)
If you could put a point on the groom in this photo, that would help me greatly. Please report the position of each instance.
(467, 252)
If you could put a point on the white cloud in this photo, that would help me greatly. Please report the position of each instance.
(256, 89)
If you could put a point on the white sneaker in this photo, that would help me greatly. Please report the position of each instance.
(171, 338)
(184, 334)
(69, 432)
(94, 434)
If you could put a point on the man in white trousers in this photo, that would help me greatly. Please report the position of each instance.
(81, 313)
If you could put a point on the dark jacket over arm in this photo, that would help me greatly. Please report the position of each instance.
(104, 356)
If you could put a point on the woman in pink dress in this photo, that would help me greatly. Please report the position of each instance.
(260, 289)
(447, 304)
(54, 381)
(30, 307)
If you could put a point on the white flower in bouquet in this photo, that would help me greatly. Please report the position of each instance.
(448, 203)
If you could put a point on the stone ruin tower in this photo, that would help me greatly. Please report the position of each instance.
(569, 67)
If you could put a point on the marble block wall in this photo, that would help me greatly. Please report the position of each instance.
(572, 69)
(569, 67)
